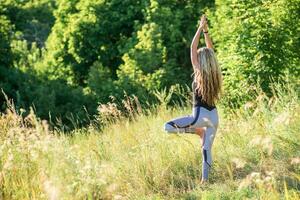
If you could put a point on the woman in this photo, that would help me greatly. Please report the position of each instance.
(206, 89)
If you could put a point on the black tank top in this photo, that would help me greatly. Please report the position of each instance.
(198, 101)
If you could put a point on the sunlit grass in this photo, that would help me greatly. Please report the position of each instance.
(256, 156)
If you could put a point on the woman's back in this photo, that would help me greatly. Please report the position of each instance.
(207, 77)
(198, 100)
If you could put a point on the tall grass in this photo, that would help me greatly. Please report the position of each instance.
(256, 155)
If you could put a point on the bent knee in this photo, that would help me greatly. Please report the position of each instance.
(168, 127)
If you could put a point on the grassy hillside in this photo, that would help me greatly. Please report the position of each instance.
(256, 155)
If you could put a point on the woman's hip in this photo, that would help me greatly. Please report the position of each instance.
(205, 117)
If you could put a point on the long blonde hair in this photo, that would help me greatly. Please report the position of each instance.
(208, 76)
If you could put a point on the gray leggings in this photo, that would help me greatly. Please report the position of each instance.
(201, 117)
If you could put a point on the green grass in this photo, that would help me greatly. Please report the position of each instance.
(256, 156)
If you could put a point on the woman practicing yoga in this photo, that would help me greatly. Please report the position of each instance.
(206, 89)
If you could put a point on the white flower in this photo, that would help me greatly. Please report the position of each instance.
(295, 161)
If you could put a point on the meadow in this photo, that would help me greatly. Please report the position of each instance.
(256, 154)
(86, 87)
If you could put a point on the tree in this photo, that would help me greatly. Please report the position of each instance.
(256, 42)
(158, 55)
(32, 19)
(5, 38)
(86, 32)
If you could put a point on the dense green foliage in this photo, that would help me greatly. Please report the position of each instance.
(64, 57)
(257, 41)
(115, 66)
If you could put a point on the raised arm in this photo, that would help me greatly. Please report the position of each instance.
(208, 41)
(195, 43)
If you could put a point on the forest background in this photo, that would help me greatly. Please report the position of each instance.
(64, 58)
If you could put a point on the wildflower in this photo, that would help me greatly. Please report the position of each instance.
(268, 179)
(255, 175)
(9, 162)
(267, 145)
(111, 188)
(117, 197)
(270, 173)
(248, 105)
(282, 118)
(244, 183)
(295, 161)
(256, 140)
(239, 163)
(108, 111)
(264, 142)
(51, 191)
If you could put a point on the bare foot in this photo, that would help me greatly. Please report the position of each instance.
(203, 181)
(200, 132)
